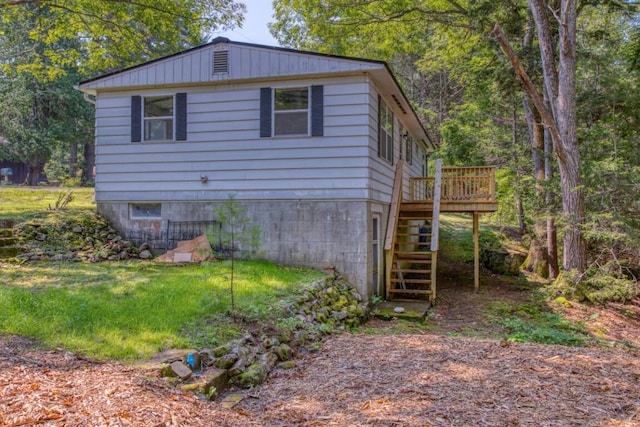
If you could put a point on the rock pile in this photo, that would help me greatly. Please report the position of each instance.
(89, 238)
(328, 306)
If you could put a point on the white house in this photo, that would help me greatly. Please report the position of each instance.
(307, 142)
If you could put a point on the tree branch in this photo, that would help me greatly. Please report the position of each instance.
(530, 88)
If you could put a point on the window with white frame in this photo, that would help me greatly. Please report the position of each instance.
(158, 118)
(385, 131)
(291, 111)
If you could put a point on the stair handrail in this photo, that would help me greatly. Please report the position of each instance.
(435, 223)
(394, 211)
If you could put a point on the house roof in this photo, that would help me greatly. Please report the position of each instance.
(247, 61)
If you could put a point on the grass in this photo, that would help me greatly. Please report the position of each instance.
(535, 322)
(131, 310)
(23, 204)
(456, 237)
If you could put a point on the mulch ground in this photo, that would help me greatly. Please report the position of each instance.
(434, 378)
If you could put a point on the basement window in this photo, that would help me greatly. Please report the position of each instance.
(145, 210)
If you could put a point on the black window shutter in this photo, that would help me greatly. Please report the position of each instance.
(181, 117)
(136, 118)
(265, 112)
(317, 110)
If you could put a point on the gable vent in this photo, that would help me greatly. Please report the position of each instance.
(220, 62)
(395, 98)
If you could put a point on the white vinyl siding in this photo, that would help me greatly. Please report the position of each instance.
(224, 144)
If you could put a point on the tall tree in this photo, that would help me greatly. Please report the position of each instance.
(560, 119)
(116, 33)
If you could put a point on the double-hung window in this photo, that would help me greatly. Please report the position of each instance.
(385, 131)
(292, 111)
(158, 118)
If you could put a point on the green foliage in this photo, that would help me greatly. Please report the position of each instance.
(535, 322)
(600, 284)
(64, 198)
(231, 235)
(234, 234)
(456, 237)
(131, 310)
(45, 114)
(109, 35)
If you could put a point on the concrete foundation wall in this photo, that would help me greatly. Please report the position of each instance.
(314, 234)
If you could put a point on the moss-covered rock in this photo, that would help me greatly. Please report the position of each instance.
(253, 376)
(226, 361)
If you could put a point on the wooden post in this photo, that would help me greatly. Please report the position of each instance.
(476, 251)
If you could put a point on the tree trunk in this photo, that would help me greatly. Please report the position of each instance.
(33, 174)
(73, 158)
(537, 259)
(89, 162)
(552, 234)
(575, 249)
(561, 120)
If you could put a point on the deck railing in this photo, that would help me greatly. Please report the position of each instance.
(463, 184)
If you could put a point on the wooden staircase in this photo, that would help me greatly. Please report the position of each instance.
(413, 264)
(412, 244)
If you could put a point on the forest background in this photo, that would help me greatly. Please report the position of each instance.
(546, 90)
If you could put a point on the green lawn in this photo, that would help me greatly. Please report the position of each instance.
(23, 203)
(131, 310)
(456, 236)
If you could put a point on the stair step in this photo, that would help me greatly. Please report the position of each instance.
(414, 281)
(413, 254)
(6, 232)
(410, 291)
(409, 270)
(413, 260)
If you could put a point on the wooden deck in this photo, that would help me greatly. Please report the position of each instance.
(463, 189)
